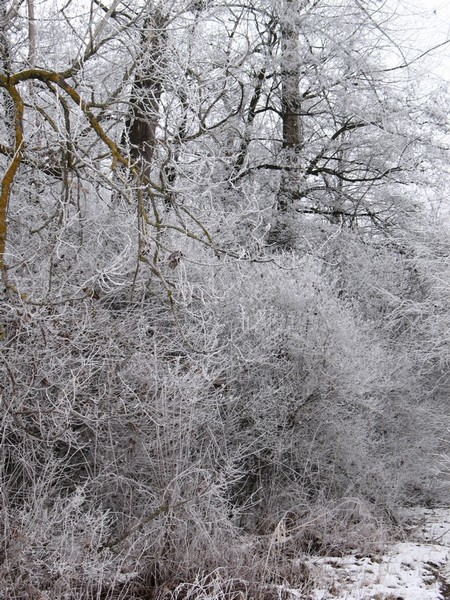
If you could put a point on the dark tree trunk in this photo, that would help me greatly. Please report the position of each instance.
(146, 93)
(282, 232)
(290, 79)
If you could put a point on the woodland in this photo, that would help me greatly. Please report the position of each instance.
(224, 296)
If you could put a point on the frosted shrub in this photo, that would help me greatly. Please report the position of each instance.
(143, 440)
(113, 447)
(314, 392)
(53, 546)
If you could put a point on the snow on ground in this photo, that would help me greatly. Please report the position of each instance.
(415, 570)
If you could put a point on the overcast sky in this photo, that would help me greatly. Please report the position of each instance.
(428, 24)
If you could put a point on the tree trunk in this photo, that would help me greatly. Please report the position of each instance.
(146, 92)
(282, 233)
(290, 80)
(5, 69)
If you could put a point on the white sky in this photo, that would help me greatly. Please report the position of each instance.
(427, 25)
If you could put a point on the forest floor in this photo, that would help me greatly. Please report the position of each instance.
(417, 568)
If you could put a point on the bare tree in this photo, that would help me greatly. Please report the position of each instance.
(171, 388)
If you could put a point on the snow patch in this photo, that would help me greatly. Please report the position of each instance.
(413, 570)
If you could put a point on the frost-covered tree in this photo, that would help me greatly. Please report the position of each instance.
(222, 289)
